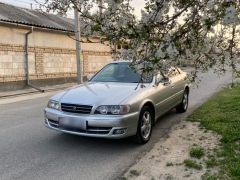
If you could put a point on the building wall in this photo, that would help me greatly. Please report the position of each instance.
(51, 55)
(96, 62)
(44, 38)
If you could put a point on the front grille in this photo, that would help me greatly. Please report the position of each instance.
(89, 130)
(75, 108)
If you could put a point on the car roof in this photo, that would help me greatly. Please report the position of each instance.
(129, 61)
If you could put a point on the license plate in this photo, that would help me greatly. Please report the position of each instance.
(73, 123)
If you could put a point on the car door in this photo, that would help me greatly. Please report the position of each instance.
(177, 84)
(162, 96)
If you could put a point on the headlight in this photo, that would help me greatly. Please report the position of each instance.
(113, 109)
(53, 104)
(102, 110)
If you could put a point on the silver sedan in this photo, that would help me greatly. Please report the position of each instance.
(118, 102)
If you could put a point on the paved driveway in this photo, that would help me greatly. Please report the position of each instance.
(28, 150)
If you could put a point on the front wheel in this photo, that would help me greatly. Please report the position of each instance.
(144, 130)
(182, 107)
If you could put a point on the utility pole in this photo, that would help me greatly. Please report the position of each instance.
(78, 46)
(100, 5)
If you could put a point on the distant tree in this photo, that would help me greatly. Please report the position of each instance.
(204, 33)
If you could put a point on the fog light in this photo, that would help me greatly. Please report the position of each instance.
(119, 131)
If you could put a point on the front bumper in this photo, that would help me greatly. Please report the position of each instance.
(104, 126)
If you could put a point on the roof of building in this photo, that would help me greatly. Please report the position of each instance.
(18, 15)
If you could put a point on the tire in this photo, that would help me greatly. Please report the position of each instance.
(145, 124)
(182, 107)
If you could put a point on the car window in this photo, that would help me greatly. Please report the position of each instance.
(121, 72)
(109, 71)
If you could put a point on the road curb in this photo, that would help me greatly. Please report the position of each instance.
(33, 92)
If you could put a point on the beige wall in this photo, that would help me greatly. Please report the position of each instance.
(57, 63)
(42, 38)
(97, 62)
(12, 63)
(51, 54)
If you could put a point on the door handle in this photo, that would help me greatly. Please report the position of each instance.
(167, 83)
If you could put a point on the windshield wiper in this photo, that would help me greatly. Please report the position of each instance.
(140, 81)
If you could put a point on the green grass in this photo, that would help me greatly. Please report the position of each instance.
(208, 176)
(134, 172)
(169, 164)
(211, 162)
(221, 114)
(197, 152)
(238, 73)
(122, 178)
(192, 164)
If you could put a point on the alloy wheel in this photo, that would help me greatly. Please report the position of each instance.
(146, 125)
(185, 101)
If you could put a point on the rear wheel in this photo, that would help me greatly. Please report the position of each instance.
(144, 130)
(182, 107)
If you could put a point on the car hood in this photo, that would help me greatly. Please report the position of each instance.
(95, 93)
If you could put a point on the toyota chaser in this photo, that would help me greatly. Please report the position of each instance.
(118, 102)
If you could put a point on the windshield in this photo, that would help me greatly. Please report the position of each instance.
(120, 72)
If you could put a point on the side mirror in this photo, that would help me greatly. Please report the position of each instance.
(89, 76)
(166, 81)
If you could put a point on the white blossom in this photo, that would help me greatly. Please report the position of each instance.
(202, 33)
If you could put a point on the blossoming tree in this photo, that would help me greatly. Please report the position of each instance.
(203, 33)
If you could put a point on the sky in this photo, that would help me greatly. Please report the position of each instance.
(137, 4)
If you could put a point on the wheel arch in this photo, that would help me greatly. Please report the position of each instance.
(150, 104)
(187, 88)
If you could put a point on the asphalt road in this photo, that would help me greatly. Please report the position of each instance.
(28, 150)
